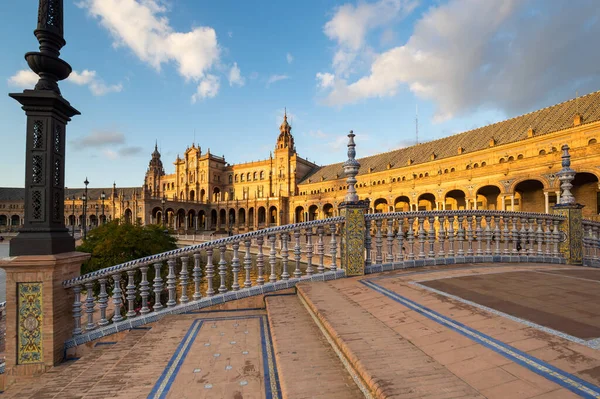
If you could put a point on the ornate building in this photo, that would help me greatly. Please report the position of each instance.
(508, 165)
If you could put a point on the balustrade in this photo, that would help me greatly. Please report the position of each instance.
(591, 243)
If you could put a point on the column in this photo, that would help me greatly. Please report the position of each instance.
(557, 197)
(512, 202)
(546, 203)
(503, 202)
(475, 203)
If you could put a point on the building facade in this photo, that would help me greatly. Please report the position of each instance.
(509, 165)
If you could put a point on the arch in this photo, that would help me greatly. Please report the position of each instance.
(191, 220)
(402, 204)
(426, 202)
(254, 176)
(128, 216)
(452, 170)
(213, 219)
(248, 176)
(202, 195)
(529, 196)
(511, 158)
(262, 215)
(380, 205)
(542, 152)
(156, 215)
(93, 221)
(487, 197)
(273, 215)
(455, 200)
(192, 196)
(313, 212)
(242, 177)
(262, 175)
(236, 177)
(71, 220)
(180, 222)
(216, 194)
(328, 210)
(299, 214)
(222, 219)
(502, 160)
(242, 216)
(592, 141)
(520, 156)
(251, 217)
(231, 217)
(103, 218)
(585, 190)
(201, 220)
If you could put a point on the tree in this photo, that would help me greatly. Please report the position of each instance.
(114, 243)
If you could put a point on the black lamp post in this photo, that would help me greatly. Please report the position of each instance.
(73, 221)
(96, 206)
(103, 196)
(44, 231)
(163, 210)
(85, 197)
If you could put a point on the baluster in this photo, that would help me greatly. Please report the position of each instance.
(77, 310)
(497, 235)
(515, 235)
(488, 235)
(531, 237)
(368, 224)
(411, 238)
(297, 253)
(421, 221)
(431, 236)
(523, 236)
(401, 238)
(183, 279)
(103, 302)
(479, 235)
(272, 258)
(461, 236)
(442, 236)
(89, 306)
(309, 251)
(260, 260)
(117, 298)
(470, 235)
(247, 263)
(389, 258)
(506, 234)
(158, 286)
(144, 290)
(235, 266)
(548, 237)
(222, 269)
(284, 256)
(540, 237)
(130, 291)
(451, 219)
(595, 243)
(556, 236)
(378, 242)
(333, 249)
(171, 283)
(210, 272)
(321, 250)
(197, 275)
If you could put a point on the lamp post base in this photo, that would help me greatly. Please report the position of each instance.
(41, 243)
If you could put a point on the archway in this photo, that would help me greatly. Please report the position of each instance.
(93, 221)
(242, 216)
(328, 210)
(231, 218)
(213, 219)
(155, 214)
(15, 220)
(191, 220)
(299, 214)
(103, 219)
(455, 200)
(216, 194)
(585, 191)
(222, 219)
(202, 195)
(71, 220)
(169, 217)
(380, 205)
(402, 204)
(262, 216)
(180, 219)
(251, 217)
(426, 202)
(201, 220)
(192, 195)
(273, 216)
(487, 198)
(529, 196)
(313, 212)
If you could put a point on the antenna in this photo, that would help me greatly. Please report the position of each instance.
(417, 122)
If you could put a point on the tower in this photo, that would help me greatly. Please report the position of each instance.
(154, 173)
(285, 150)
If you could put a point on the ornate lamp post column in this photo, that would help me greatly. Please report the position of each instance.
(103, 197)
(85, 198)
(48, 113)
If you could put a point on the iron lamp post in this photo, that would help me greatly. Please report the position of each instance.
(85, 197)
(103, 197)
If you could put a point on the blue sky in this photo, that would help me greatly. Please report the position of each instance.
(147, 70)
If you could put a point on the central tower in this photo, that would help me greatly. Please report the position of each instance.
(285, 150)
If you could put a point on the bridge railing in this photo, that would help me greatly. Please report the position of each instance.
(591, 243)
(223, 269)
(407, 239)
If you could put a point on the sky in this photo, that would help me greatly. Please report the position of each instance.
(221, 73)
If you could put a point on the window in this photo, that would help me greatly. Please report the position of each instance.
(592, 141)
(520, 156)
(236, 178)
(452, 170)
(483, 164)
(511, 158)
(254, 176)
(262, 175)
(230, 179)
(248, 177)
(475, 166)
(242, 177)
(542, 152)
(502, 160)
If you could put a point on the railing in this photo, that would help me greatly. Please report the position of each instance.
(591, 243)
(449, 237)
(238, 277)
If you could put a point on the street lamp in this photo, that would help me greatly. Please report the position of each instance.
(164, 199)
(85, 196)
(73, 221)
(103, 196)
(96, 206)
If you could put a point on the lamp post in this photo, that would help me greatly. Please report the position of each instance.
(103, 196)
(163, 210)
(73, 221)
(85, 196)
(96, 206)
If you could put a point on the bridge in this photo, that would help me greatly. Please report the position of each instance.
(429, 304)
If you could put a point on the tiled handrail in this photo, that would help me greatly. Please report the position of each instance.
(178, 261)
(442, 237)
(591, 242)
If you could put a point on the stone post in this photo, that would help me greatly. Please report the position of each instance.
(571, 244)
(353, 236)
(42, 256)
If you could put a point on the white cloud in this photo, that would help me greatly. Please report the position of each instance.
(325, 80)
(110, 154)
(230, 33)
(208, 88)
(317, 134)
(99, 138)
(141, 26)
(235, 76)
(83, 78)
(96, 86)
(511, 57)
(276, 78)
(289, 58)
(24, 79)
